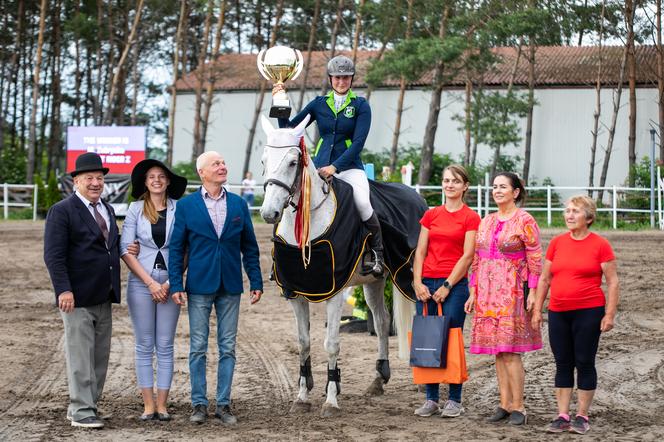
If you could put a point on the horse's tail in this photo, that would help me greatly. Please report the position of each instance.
(403, 310)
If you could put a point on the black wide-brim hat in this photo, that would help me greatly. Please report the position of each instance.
(89, 162)
(176, 188)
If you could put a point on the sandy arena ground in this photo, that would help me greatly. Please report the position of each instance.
(629, 404)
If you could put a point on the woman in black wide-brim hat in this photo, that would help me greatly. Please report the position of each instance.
(149, 222)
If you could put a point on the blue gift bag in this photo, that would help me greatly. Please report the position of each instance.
(429, 339)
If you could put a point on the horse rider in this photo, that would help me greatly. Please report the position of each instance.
(344, 120)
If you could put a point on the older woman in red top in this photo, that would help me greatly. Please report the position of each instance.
(444, 252)
(578, 310)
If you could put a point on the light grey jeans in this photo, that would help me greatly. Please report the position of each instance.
(87, 349)
(154, 331)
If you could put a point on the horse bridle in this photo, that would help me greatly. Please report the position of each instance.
(294, 187)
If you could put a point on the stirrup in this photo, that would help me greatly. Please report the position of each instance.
(378, 269)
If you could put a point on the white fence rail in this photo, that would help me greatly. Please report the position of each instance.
(479, 197)
(18, 195)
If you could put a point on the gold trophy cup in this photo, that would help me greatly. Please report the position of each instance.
(279, 64)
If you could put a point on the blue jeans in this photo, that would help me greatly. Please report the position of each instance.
(227, 307)
(452, 308)
(249, 199)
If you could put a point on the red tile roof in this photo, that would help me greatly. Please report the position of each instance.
(555, 66)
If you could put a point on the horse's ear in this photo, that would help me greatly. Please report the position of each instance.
(298, 130)
(266, 125)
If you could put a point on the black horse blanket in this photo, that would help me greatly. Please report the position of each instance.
(336, 254)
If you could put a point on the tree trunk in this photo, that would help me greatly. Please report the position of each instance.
(120, 66)
(510, 86)
(631, 62)
(617, 93)
(468, 121)
(531, 108)
(261, 94)
(176, 53)
(431, 127)
(582, 30)
(310, 47)
(136, 82)
(358, 29)
(400, 99)
(385, 40)
(212, 75)
(32, 139)
(98, 95)
(201, 77)
(56, 93)
(333, 42)
(78, 75)
(238, 29)
(598, 105)
(15, 68)
(660, 80)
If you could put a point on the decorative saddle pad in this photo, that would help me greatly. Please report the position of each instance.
(336, 254)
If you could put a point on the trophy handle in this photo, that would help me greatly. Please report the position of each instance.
(299, 63)
(259, 64)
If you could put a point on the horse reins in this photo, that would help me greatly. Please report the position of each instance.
(292, 189)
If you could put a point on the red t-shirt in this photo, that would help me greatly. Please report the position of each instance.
(576, 281)
(447, 233)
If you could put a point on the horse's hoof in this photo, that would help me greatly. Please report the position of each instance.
(300, 407)
(330, 411)
(376, 388)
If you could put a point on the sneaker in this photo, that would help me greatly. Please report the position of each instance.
(226, 415)
(579, 425)
(452, 409)
(559, 425)
(428, 409)
(199, 414)
(88, 422)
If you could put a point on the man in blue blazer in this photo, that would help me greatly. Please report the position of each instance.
(213, 228)
(81, 251)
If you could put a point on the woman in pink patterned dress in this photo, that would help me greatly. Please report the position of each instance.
(508, 261)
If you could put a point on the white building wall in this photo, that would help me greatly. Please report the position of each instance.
(561, 130)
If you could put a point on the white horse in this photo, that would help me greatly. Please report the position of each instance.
(282, 164)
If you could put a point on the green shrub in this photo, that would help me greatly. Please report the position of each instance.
(53, 194)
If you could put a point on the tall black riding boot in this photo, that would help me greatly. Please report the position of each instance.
(376, 244)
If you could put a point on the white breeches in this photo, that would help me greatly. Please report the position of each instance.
(358, 179)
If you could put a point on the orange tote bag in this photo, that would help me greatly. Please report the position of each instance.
(456, 371)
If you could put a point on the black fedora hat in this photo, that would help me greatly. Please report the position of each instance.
(176, 188)
(88, 162)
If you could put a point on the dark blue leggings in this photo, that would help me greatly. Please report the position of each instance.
(574, 336)
(452, 308)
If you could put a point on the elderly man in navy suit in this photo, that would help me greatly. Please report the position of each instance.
(215, 228)
(82, 254)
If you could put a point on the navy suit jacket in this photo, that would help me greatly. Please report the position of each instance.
(214, 262)
(76, 255)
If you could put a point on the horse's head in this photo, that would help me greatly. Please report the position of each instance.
(282, 166)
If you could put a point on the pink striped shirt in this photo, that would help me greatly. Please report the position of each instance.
(216, 208)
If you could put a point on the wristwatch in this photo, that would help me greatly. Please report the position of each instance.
(447, 285)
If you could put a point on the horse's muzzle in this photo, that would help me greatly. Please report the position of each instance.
(271, 217)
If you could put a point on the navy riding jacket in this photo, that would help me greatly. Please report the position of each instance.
(342, 132)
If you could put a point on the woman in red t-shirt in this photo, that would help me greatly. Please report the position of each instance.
(578, 311)
(444, 252)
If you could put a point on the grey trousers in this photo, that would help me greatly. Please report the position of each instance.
(87, 349)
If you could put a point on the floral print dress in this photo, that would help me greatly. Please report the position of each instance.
(508, 255)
